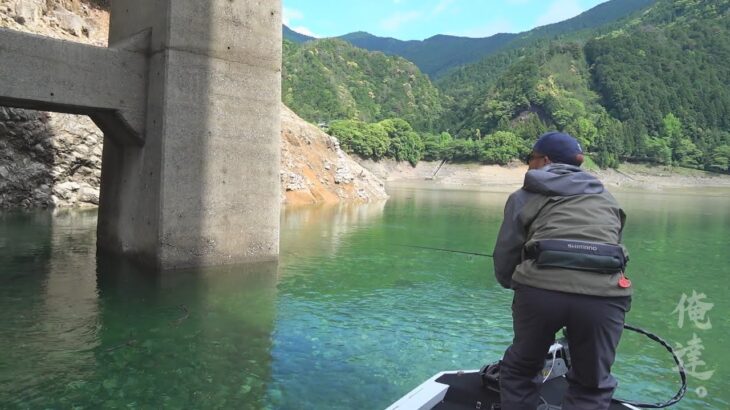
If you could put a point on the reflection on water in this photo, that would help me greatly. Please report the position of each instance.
(364, 322)
(75, 333)
(349, 318)
(322, 229)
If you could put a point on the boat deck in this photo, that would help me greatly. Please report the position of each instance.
(466, 392)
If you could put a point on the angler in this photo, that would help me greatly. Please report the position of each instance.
(559, 249)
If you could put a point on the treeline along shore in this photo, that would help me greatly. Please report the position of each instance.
(507, 178)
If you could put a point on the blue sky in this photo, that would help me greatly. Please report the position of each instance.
(420, 19)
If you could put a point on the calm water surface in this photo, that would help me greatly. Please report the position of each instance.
(346, 319)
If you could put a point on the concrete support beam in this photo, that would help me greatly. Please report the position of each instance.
(204, 188)
(108, 84)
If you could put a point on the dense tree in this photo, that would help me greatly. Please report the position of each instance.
(434, 146)
(326, 80)
(502, 147)
(405, 144)
(653, 90)
(720, 159)
(365, 140)
(666, 78)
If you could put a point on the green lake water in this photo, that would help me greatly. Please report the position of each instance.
(346, 319)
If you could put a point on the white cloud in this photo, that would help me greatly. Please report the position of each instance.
(290, 15)
(305, 31)
(559, 10)
(486, 30)
(396, 20)
(442, 6)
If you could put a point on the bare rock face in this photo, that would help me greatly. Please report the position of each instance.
(71, 20)
(27, 11)
(48, 159)
(25, 158)
(315, 170)
(71, 23)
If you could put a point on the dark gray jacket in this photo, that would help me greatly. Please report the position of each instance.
(558, 201)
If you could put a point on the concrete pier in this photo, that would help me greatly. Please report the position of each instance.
(188, 96)
(107, 84)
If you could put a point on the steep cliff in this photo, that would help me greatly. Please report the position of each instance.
(315, 170)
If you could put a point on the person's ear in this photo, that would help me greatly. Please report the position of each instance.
(547, 160)
(579, 159)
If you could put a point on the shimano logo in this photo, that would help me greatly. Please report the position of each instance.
(583, 247)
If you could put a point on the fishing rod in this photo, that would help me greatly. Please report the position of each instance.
(446, 250)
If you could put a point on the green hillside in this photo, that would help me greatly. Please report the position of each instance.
(330, 79)
(604, 14)
(465, 85)
(654, 90)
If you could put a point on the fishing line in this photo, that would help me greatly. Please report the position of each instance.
(682, 390)
(445, 250)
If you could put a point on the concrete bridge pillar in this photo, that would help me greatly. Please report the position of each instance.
(187, 95)
(203, 187)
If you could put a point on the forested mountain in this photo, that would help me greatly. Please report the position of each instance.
(654, 90)
(438, 54)
(331, 79)
(464, 85)
(433, 56)
(652, 87)
(601, 15)
(670, 71)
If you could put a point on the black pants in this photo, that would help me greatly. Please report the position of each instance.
(594, 328)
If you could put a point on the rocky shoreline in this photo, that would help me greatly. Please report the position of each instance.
(629, 177)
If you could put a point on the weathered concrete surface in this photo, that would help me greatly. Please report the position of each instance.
(204, 189)
(55, 75)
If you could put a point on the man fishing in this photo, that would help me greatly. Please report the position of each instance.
(559, 250)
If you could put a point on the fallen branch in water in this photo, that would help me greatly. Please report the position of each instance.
(128, 343)
(186, 314)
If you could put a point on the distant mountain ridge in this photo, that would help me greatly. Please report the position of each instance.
(294, 36)
(438, 54)
(435, 55)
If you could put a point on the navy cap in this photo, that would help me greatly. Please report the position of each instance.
(559, 147)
